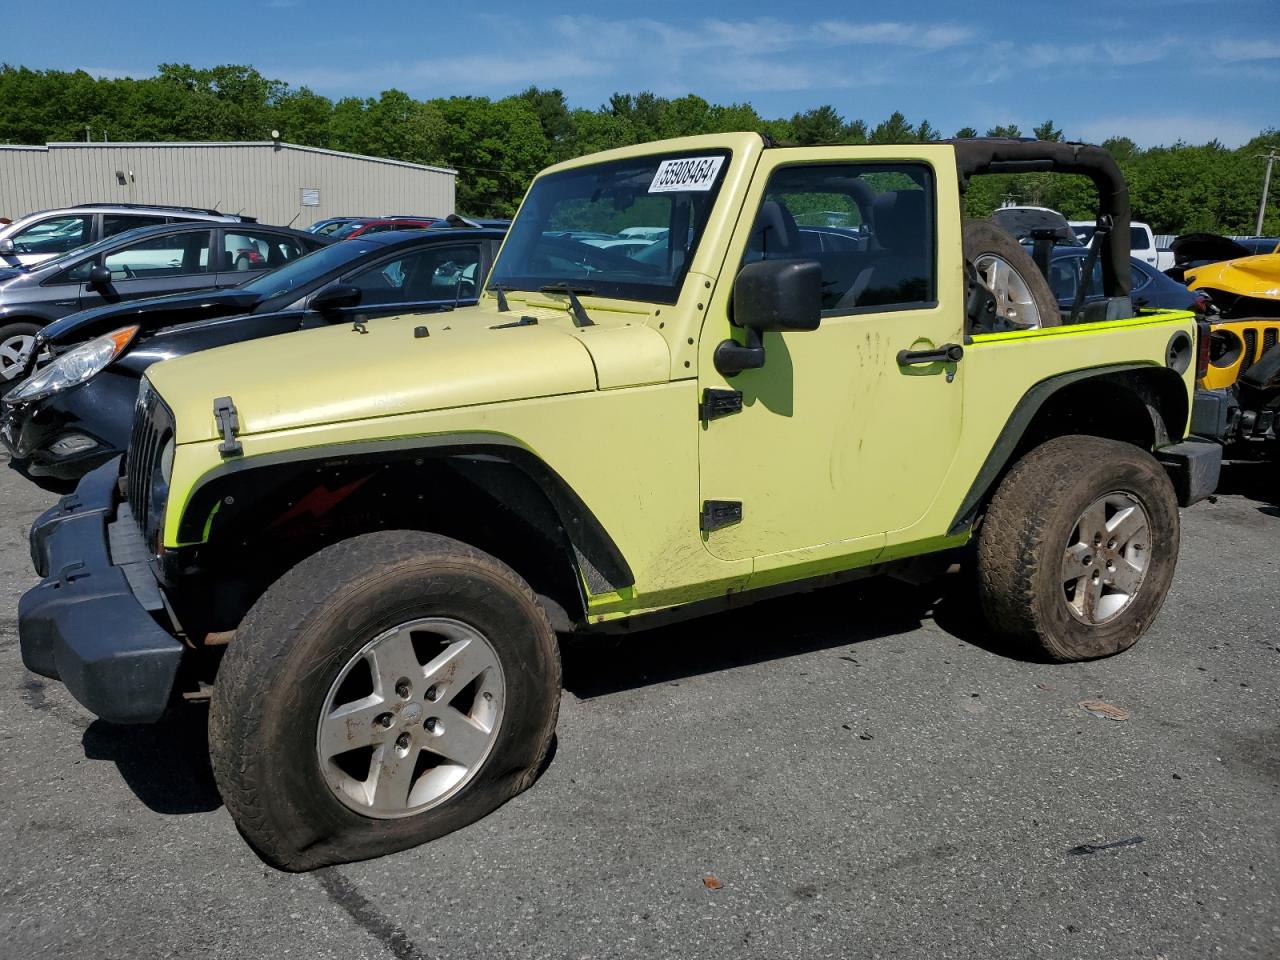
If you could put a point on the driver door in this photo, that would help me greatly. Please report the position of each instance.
(839, 443)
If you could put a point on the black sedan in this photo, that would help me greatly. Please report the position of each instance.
(74, 412)
(143, 262)
(1151, 289)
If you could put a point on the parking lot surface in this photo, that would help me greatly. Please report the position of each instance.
(854, 773)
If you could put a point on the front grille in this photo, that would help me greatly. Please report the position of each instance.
(152, 425)
(1250, 345)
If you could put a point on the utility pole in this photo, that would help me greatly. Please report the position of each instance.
(1271, 157)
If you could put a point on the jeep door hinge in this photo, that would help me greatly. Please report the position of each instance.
(719, 513)
(719, 403)
(228, 421)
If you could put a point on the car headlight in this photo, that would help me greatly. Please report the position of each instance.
(74, 367)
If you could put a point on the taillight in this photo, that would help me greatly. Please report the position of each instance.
(1201, 304)
(1203, 339)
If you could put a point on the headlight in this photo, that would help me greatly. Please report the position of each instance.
(74, 367)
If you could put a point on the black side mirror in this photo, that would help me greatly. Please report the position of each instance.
(771, 295)
(99, 278)
(337, 298)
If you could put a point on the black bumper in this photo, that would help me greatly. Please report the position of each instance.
(90, 622)
(1194, 467)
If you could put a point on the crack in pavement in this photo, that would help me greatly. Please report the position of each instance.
(377, 924)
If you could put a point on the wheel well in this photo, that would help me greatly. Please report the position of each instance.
(1146, 406)
(282, 513)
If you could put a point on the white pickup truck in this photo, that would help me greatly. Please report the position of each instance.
(1142, 242)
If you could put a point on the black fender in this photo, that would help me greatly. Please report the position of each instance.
(1154, 404)
(489, 461)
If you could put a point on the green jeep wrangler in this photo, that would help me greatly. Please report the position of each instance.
(704, 372)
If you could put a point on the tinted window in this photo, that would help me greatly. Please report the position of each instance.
(113, 223)
(173, 255)
(885, 211)
(244, 250)
(55, 235)
(1138, 239)
(436, 273)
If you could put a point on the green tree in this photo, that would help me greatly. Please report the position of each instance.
(894, 130)
(819, 125)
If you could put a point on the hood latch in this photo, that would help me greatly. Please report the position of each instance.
(228, 421)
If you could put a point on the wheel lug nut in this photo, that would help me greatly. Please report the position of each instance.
(384, 720)
(402, 741)
(402, 689)
(488, 696)
(1088, 559)
(432, 693)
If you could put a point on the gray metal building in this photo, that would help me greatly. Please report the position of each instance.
(273, 181)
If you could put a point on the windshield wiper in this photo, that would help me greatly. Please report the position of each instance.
(580, 318)
(503, 306)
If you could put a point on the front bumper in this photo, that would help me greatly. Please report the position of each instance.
(99, 411)
(92, 621)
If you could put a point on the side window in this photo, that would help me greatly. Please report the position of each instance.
(53, 236)
(174, 255)
(877, 238)
(436, 273)
(1137, 279)
(251, 250)
(1138, 239)
(113, 223)
(1063, 274)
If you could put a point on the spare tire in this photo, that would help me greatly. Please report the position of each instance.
(1023, 299)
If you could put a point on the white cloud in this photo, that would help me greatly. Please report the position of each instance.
(1237, 50)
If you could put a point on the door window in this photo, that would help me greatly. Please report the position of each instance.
(174, 255)
(880, 218)
(53, 236)
(435, 273)
(245, 250)
(113, 223)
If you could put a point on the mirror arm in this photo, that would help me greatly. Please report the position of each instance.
(731, 357)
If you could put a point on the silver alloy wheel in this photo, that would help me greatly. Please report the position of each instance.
(11, 352)
(1107, 560)
(397, 736)
(1014, 301)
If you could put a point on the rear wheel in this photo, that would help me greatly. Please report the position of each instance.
(15, 338)
(1023, 298)
(1078, 548)
(386, 691)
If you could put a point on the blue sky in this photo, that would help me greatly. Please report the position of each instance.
(1154, 70)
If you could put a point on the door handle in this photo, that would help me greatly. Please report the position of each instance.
(947, 353)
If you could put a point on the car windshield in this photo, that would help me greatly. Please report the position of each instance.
(299, 273)
(580, 226)
(1085, 234)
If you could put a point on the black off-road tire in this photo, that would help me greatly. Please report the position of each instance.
(273, 683)
(1028, 528)
(982, 237)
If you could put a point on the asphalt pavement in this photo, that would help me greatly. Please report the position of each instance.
(856, 773)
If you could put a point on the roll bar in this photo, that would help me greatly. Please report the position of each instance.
(982, 155)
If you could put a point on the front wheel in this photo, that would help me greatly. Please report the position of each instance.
(1078, 548)
(15, 340)
(388, 690)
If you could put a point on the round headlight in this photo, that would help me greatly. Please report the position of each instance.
(74, 367)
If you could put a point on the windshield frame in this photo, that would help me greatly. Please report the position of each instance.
(640, 291)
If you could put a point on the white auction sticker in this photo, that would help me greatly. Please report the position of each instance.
(686, 173)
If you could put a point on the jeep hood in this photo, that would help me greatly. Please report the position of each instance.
(1257, 277)
(335, 374)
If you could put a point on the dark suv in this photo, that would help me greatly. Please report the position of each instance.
(143, 262)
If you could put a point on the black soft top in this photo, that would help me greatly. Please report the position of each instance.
(982, 155)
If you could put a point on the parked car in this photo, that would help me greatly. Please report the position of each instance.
(360, 546)
(142, 262)
(47, 234)
(1151, 289)
(74, 412)
(329, 224)
(1192, 250)
(359, 227)
(1142, 242)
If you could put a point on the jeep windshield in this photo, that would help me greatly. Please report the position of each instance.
(626, 229)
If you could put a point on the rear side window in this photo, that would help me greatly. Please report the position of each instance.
(113, 223)
(174, 255)
(1138, 239)
(245, 250)
(871, 226)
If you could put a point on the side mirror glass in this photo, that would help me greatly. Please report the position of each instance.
(337, 298)
(7, 248)
(771, 295)
(99, 277)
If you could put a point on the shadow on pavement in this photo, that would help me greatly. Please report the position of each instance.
(1255, 479)
(775, 629)
(165, 764)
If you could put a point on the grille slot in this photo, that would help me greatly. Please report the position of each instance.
(1269, 338)
(152, 424)
(1250, 347)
